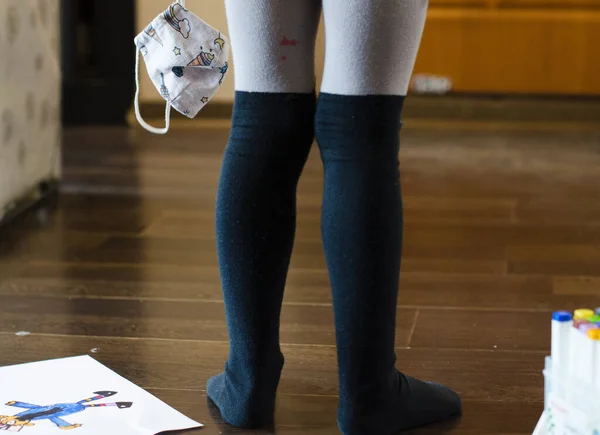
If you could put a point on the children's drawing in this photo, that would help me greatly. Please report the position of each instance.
(54, 413)
(46, 385)
(175, 16)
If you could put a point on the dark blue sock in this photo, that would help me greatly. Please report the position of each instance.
(271, 136)
(362, 233)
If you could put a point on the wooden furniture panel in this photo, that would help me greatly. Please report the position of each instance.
(513, 51)
(564, 4)
(464, 3)
(525, 4)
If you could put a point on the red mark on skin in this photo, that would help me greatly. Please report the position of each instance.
(288, 42)
(283, 57)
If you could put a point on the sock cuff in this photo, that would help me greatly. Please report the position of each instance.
(359, 127)
(275, 111)
(272, 102)
(273, 126)
(388, 106)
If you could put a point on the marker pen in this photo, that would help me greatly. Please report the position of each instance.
(579, 322)
(579, 352)
(586, 353)
(548, 378)
(562, 323)
(583, 313)
(585, 327)
(594, 319)
(594, 334)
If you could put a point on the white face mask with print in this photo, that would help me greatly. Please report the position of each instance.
(186, 59)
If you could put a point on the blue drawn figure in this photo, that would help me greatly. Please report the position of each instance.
(54, 413)
(223, 71)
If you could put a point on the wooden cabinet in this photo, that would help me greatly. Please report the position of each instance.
(514, 46)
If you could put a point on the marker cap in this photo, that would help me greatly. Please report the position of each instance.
(562, 316)
(594, 319)
(577, 323)
(583, 313)
(598, 311)
(594, 334)
(586, 327)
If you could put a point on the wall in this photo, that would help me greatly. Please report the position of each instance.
(29, 97)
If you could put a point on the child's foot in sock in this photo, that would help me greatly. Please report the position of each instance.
(241, 403)
(414, 404)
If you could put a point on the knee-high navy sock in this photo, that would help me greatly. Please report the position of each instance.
(271, 136)
(362, 233)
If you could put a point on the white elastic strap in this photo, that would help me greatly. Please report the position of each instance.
(136, 103)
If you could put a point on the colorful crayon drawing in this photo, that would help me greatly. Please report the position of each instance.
(175, 16)
(223, 71)
(54, 413)
(204, 100)
(177, 51)
(203, 59)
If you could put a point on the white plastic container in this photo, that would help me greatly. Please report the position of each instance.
(569, 408)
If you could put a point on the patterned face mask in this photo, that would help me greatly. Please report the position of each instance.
(186, 59)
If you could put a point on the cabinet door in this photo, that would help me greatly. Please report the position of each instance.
(514, 46)
(560, 4)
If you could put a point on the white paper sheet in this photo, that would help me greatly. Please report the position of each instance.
(40, 397)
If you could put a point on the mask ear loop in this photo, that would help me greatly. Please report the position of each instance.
(136, 103)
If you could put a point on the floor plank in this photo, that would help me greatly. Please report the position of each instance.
(200, 320)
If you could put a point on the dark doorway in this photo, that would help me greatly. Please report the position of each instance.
(98, 57)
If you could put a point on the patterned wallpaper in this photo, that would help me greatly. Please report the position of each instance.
(30, 134)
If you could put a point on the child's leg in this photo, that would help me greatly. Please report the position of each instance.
(371, 49)
(63, 424)
(120, 405)
(271, 135)
(22, 405)
(98, 395)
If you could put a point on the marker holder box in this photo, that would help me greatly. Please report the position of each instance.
(571, 406)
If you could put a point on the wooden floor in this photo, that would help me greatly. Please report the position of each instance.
(502, 227)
